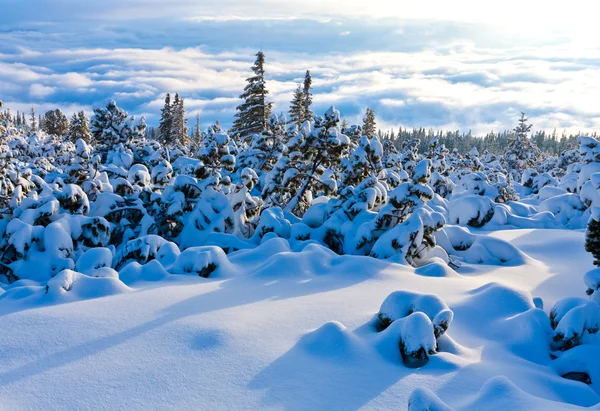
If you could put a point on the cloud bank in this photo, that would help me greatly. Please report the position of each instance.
(418, 71)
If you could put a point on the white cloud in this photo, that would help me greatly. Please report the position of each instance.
(40, 91)
(73, 80)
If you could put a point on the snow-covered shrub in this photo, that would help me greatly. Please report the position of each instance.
(471, 210)
(421, 319)
(576, 321)
(145, 249)
(201, 261)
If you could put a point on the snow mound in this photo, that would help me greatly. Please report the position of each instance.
(94, 259)
(436, 268)
(492, 302)
(581, 363)
(135, 272)
(423, 399)
(332, 340)
(67, 286)
(70, 285)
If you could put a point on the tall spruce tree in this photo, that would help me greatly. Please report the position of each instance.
(164, 126)
(33, 121)
(297, 113)
(369, 123)
(179, 130)
(197, 136)
(254, 112)
(308, 114)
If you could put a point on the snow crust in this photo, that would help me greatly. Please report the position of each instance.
(273, 328)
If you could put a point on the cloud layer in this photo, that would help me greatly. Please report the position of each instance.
(413, 72)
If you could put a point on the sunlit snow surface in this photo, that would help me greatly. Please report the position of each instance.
(275, 329)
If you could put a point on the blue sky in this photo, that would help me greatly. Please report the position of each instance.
(453, 65)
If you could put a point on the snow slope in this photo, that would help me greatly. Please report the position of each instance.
(294, 330)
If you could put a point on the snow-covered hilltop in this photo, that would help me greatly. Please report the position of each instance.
(298, 264)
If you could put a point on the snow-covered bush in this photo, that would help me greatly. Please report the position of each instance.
(108, 186)
(576, 321)
(421, 320)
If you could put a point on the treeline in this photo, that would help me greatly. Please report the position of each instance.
(253, 114)
(549, 143)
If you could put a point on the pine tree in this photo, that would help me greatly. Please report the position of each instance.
(164, 126)
(33, 120)
(368, 128)
(523, 128)
(55, 123)
(297, 113)
(109, 126)
(255, 111)
(308, 114)
(79, 128)
(344, 125)
(197, 137)
(521, 152)
(179, 130)
(294, 179)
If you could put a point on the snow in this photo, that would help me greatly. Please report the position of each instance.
(273, 329)
(295, 267)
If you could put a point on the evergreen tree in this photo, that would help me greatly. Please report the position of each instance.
(110, 126)
(55, 123)
(344, 125)
(33, 123)
(179, 130)
(368, 128)
(297, 113)
(197, 137)
(164, 126)
(521, 153)
(254, 112)
(295, 179)
(79, 128)
(523, 128)
(308, 114)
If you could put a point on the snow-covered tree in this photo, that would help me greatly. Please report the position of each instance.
(55, 123)
(252, 115)
(108, 125)
(79, 128)
(369, 127)
(32, 120)
(179, 130)
(297, 113)
(307, 95)
(166, 122)
(296, 179)
(197, 135)
(522, 153)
